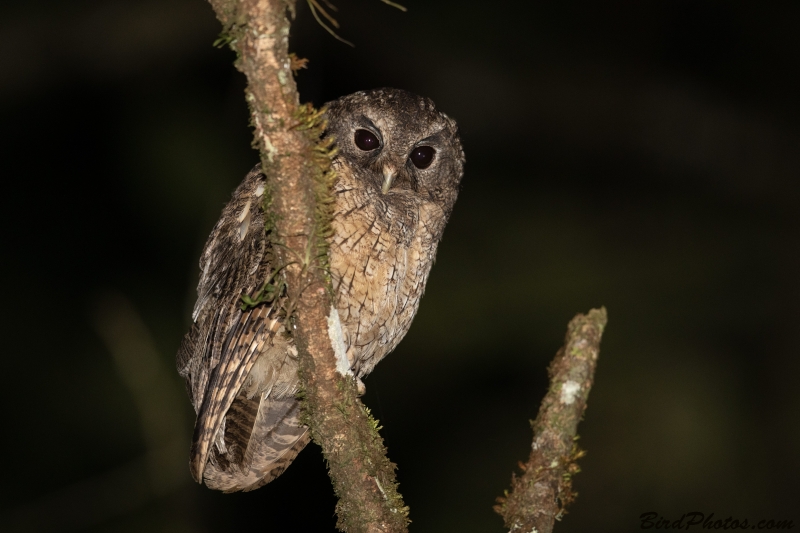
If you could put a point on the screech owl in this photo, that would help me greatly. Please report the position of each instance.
(399, 166)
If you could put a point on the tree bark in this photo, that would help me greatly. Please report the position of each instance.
(540, 495)
(297, 167)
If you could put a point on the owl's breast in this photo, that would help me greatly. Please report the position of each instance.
(381, 255)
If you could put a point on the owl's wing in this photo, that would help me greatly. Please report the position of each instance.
(231, 264)
(224, 343)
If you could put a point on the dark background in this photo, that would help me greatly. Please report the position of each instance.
(638, 155)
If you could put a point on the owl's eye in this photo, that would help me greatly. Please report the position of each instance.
(366, 140)
(422, 156)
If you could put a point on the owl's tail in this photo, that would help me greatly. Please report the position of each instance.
(262, 436)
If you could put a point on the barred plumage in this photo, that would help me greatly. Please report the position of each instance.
(392, 201)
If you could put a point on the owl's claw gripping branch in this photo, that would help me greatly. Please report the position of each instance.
(538, 497)
(258, 31)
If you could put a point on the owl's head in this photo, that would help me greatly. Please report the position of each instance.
(398, 146)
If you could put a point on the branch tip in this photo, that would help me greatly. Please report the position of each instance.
(541, 494)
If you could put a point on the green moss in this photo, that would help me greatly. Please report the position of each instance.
(273, 287)
(231, 33)
(353, 422)
(312, 123)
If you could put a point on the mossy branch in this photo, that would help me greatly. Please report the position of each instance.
(540, 495)
(297, 165)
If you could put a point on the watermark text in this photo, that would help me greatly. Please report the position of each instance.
(697, 520)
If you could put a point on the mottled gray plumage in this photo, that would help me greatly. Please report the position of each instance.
(240, 366)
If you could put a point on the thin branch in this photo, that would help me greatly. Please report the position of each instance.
(298, 180)
(87, 503)
(155, 394)
(539, 496)
(393, 4)
(316, 7)
(311, 5)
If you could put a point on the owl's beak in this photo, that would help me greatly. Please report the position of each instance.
(388, 176)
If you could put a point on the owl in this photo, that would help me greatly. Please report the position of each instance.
(398, 166)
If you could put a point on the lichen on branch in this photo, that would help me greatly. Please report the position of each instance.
(540, 495)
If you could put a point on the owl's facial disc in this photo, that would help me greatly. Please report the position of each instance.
(398, 146)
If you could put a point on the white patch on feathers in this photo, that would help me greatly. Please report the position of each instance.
(337, 343)
(244, 218)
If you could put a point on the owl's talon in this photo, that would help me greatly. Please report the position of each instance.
(360, 387)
